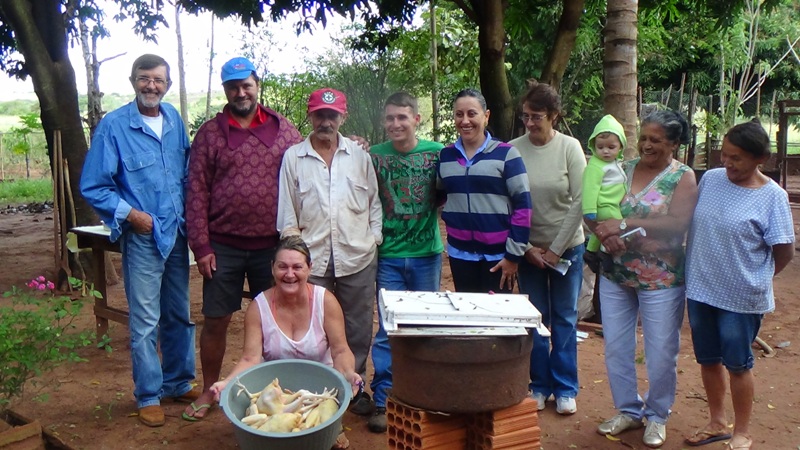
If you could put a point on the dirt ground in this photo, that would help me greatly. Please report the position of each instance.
(93, 406)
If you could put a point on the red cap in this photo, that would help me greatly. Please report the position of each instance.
(327, 98)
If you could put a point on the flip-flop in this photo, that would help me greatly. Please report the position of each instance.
(196, 409)
(703, 437)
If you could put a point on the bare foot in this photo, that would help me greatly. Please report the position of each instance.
(739, 442)
(341, 442)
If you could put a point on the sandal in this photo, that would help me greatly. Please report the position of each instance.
(196, 409)
(705, 436)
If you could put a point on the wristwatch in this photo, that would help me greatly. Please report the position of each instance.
(623, 225)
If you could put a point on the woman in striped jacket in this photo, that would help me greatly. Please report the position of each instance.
(488, 208)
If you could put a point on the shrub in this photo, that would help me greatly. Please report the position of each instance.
(37, 334)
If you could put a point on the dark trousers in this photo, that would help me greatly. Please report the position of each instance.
(474, 276)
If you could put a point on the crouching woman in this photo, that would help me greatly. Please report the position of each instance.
(295, 319)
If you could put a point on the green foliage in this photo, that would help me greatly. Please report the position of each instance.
(37, 334)
(288, 95)
(21, 144)
(18, 107)
(457, 61)
(25, 191)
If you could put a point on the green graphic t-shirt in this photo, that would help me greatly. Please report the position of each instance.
(407, 188)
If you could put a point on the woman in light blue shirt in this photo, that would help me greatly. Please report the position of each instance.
(741, 236)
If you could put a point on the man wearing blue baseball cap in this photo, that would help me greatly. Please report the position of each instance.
(231, 209)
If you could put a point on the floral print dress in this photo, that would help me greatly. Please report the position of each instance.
(665, 268)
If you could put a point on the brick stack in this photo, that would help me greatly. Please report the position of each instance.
(416, 429)
(512, 428)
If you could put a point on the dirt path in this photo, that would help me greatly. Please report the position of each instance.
(94, 406)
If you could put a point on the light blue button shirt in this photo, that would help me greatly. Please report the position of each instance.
(129, 166)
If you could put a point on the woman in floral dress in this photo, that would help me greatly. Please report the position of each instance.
(647, 280)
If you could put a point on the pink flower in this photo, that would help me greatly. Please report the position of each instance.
(41, 278)
(50, 285)
(40, 287)
(32, 284)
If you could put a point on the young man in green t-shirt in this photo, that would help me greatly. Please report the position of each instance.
(410, 257)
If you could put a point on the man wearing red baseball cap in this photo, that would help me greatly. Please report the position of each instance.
(233, 179)
(329, 191)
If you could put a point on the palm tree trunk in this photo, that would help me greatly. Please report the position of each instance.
(619, 67)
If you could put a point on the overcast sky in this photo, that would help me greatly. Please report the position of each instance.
(287, 57)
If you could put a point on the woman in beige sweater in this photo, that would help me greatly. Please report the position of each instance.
(555, 164)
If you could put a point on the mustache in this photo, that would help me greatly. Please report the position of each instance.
(325, 129)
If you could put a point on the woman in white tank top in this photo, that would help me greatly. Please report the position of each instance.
(294, 319)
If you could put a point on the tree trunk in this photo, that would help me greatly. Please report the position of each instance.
(619, 67)
(94, 107)
(181, 68)
(494, 80)
(567, 32)
(41, 35)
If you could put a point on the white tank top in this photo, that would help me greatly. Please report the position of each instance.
(313, 346)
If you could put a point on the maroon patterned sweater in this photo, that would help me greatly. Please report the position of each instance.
(232, 195)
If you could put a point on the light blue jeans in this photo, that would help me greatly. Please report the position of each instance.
(661, 312)
(399, 274)
(158, 302)
(554, 360)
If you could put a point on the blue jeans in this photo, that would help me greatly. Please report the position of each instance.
(554, 360)
(661, 312)
(158, 302)
(399, 274)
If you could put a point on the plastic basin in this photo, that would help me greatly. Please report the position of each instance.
(293, 374)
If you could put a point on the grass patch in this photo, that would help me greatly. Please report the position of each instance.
(25, 191)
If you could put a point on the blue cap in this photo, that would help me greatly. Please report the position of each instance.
(237, 69)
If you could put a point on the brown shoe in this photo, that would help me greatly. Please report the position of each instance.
(190, 396)
(152, 416)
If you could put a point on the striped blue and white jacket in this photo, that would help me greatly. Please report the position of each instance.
(488, 208)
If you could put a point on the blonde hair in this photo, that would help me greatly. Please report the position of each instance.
(293, 242)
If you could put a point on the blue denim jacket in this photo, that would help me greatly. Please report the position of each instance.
(129, 166)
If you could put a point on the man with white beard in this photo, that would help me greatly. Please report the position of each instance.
(134, 176)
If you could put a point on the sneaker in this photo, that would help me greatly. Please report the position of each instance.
(655, 434)
(362, 404)
(566, 406)
(377, 423)
(618, 424)
(540, 400)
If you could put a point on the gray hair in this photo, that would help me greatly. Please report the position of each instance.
(147, 62)
(676, 129)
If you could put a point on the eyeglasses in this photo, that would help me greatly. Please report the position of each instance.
(145, 81)
(532, 117)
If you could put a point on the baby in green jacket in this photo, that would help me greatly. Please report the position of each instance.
(604, 183)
